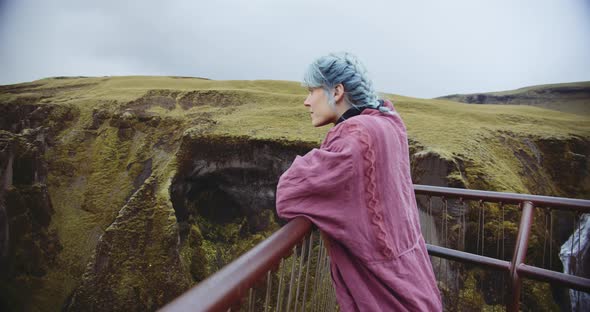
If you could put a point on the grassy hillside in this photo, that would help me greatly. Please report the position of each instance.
(566, 97)
(274, 109)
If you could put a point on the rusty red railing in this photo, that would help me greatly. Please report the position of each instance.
(226, 288)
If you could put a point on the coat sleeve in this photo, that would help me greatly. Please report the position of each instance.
(318, 186)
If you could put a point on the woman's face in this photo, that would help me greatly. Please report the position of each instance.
(321, 112)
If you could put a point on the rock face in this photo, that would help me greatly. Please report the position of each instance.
(225, 178)
(123, 198)
(220, 183)
(137, 251)
(570, 167)
(224, 194)
(28, 247)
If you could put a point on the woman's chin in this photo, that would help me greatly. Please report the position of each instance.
(317, 123)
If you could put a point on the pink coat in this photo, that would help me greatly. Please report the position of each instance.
(357, 189)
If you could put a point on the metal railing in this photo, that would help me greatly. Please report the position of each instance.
(267, 264)
(308, 266)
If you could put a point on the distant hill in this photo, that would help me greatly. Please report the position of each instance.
(565, 97)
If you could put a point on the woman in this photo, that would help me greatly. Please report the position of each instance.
(357, 189)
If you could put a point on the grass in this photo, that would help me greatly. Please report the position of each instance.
(92, 169)
(266, 109)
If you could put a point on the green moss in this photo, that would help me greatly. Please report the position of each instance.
(210, 246)
(94, 163)
(537, 297)
(211, 256)
(199, 265)
(134, 253)
(456, 179)
(470, 296)
(195, 236)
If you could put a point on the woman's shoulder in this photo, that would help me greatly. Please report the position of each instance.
(353, 124)
(342, 130)
(352, 132)
(365, 129)
(378, 124)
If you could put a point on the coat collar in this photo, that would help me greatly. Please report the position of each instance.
(354, 111)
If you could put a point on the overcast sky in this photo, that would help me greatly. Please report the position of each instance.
(422, 48)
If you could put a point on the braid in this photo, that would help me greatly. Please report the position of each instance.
(344, 68)
(360, 88)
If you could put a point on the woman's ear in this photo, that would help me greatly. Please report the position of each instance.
(338, 92)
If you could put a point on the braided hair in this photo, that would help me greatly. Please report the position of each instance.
(330, 70)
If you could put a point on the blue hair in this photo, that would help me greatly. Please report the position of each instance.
(328, 71)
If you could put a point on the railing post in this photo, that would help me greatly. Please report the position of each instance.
(520, 249)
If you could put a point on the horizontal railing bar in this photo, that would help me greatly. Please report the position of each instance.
(227, 286)
(461, 256)
(571, 281)
(506, 198)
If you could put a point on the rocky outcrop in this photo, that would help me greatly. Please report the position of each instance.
(224, 192)
(567, 163)
(223, 178)
(573, 98)
(530, 96)
(138, 251)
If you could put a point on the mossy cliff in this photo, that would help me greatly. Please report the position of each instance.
(223, 195)
(119, 193)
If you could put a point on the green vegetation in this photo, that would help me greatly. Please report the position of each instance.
(114, 154)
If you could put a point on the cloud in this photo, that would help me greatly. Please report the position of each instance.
(420, 48)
